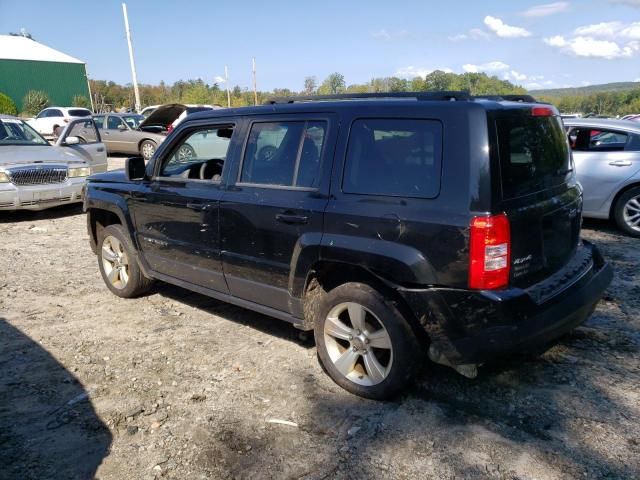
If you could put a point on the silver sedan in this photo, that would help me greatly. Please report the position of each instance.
(606, 154)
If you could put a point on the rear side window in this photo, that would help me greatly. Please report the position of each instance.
(534, 154)
(597, 140)
(394, 157)
(284, 154)
(79, 112)
(99, 119)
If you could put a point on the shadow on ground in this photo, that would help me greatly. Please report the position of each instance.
(48, 214)
(48, 427)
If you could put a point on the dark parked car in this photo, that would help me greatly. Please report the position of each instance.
(392, 227)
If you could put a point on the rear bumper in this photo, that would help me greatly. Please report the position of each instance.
(474, 326)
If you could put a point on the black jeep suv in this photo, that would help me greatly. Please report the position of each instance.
(391, 225)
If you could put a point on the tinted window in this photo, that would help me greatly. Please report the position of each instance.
(133, 120)
(114, 122)
(85, 131)
(284, 153)
(79, 112)
(591, 139)
(533, 153)
(394, 157)
(54, 113)
(200, 155)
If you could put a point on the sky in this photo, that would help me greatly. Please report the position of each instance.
(537, 44)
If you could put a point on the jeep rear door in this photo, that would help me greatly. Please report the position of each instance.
(272, 215)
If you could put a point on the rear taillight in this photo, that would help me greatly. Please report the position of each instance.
(170, 128)
(489, 252)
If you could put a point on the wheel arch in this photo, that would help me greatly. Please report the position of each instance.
(622, 191)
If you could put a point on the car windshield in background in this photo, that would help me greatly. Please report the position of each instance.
(534, 154)
(79, 112)
(133, 120)
(17, 132)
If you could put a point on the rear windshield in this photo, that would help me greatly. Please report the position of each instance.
(534, 154)
(79, 112)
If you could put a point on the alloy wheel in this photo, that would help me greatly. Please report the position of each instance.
(115, 262)
(358, 344)
(148, 150)
(631, 213)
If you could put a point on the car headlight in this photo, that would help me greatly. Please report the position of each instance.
(79, 172)
(4, 178)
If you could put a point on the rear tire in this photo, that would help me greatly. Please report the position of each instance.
(147, 149)
(627, 212)
(118, 264)
(364, 343)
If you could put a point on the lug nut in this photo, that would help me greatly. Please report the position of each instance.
(355, 349)
(350, 337)
(366, 340)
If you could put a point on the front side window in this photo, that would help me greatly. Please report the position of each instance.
(284, 154)
(586, 139)
(394, 157)
(133, 121)
(200, 155)
(115, 123)
(55, 113)
(85, 131)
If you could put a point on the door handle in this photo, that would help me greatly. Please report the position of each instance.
(620, 163)
(291, 218)
(100, 149)
(197, 206)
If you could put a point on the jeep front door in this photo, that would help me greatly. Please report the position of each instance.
(176, 216)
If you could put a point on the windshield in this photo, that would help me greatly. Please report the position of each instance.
(133, 120)
(17, 132)
(534, 154)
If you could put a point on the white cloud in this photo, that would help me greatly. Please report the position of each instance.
(515, 76)
(219, 79)
(485, 67)
(592, 47)
(503, 30)
(533, 86)
(604, 29)
(629, 3)
(585, 83)
(412, 71)
(474, 34)
(386, 35)
(546, 9)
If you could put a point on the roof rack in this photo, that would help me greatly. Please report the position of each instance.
(508, 98)
(420, 96)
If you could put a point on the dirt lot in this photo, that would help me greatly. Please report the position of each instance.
(176, 385)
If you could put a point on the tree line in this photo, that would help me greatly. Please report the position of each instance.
(110, 95)
(611, 104)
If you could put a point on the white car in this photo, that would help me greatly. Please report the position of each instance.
(51, 119)
(35, 174)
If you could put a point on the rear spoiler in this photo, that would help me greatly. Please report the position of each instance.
(508, 98)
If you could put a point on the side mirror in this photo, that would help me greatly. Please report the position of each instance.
(71, 141)
(135, 168)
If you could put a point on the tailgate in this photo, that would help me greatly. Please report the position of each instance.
(539, 193)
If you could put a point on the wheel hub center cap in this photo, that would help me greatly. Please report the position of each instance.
(360, 342)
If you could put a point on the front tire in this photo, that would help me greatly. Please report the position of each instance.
(364, 343)
(627, 212)
(118, 264)
(147, 149)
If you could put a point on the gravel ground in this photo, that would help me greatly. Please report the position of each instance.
(177, 385)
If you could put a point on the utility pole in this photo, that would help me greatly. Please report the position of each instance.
(86, 74)
(133, 64)
(226, 80)
(255, 88)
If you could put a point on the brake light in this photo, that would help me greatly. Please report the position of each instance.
(169, 128)
(489, 252)
(542, 112)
